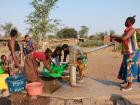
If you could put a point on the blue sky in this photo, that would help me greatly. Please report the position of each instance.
(98, 15)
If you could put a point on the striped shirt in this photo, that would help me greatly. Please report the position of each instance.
(130, 45)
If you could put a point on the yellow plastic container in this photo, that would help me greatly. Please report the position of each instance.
(3, 84)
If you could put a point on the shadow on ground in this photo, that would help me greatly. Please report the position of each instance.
(106, 82)
(119, 100)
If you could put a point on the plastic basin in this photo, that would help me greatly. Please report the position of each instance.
(35, 88)
(3, 84)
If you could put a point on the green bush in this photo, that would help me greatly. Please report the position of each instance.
(91, 43)
(53, 47)
(51, 37)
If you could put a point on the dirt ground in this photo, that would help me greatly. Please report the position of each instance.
(103, 64)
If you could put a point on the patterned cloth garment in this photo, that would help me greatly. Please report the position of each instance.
(130, 69)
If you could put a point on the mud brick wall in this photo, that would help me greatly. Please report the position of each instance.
(106, 39)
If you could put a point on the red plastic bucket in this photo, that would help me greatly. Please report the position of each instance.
(35, 88)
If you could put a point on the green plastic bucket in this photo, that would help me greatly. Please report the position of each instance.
(1, 70)
(56, 71)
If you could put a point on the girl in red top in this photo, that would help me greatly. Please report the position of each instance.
(32, 61)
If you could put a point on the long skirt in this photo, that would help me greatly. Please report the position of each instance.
(130, 69)
(13, 69)
(31, 68)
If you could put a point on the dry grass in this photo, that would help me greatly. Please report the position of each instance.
(4, 50)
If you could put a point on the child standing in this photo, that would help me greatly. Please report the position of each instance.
(74, 53)
(129, 70)
(80, 68)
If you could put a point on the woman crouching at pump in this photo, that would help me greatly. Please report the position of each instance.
(129, 70)
(32, 62)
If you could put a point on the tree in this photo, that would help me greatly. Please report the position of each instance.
(101, 35)
(67, 33)
(112, 32)
(84, 31)
(51, 37)
(6, 28)
(40, 23)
